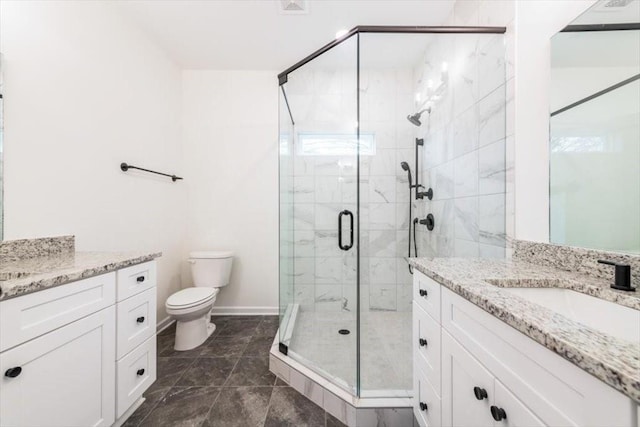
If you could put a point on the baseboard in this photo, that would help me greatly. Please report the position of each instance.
(228, 311)
(244, 311)
(164, 324)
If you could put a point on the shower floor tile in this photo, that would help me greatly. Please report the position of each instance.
(385, 354)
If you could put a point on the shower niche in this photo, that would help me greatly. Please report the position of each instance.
(391, 143)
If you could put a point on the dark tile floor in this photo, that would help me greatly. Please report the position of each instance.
(225, 382)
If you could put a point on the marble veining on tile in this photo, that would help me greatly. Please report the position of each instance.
(46, 272)
(14, 250)
(612, 360)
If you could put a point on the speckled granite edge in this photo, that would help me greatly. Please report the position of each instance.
(613, 361)
(44, 273)
(14, 250)
(580, 260)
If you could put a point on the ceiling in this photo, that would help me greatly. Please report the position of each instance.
(254, 34)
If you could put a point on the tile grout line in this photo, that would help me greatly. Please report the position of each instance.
(212, 405)
(194, 360)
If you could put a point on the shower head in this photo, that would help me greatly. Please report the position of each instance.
(406, 168)
(415, 118)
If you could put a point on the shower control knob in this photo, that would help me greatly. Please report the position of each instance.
(498, 414)
(423, 292)
(422, 342)
(423, 406)
(480, 393)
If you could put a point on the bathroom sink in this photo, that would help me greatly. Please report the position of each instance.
(604, 316)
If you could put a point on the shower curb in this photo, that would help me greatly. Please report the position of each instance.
(350, 410)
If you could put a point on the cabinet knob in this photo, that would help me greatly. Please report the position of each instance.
(140, 372)
(140, 319)
(423, 406)
(13, 372)
(423, 292)
(498, 414)
(422, 342)
(480, 393)
(140, 279)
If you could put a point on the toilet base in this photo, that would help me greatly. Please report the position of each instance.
(190, 334)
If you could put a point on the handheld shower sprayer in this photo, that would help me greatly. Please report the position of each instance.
(405, 167)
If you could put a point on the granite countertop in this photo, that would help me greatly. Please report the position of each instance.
(610, 359)
(28, 275)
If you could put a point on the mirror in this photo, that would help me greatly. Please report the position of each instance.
(595, 129)
(1, 152)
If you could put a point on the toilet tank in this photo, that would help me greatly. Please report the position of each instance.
(211, 268)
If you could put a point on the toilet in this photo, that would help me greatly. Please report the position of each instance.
(191, 307)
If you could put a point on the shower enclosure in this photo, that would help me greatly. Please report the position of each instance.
(351, 133)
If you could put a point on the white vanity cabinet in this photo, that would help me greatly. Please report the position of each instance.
(60, 350)
(63, 378)
(472, 369)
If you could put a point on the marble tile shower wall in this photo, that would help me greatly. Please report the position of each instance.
(325, 276)
(464, 155)
(386, 98)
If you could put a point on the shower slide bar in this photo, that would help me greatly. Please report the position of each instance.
(125, 167)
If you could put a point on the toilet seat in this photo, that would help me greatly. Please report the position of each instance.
(191, 297)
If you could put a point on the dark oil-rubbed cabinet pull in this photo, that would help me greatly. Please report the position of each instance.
(498, 414)
(13, 372)
(423, 406)
(480, 393)
(140, 372)
(140, 279)
(422, 342)
(423, 292)
(140, 319)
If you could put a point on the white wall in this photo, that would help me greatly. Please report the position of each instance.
(230, 136)
(536, 22)
(85, 91)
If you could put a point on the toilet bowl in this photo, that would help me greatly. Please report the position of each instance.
(191, 307)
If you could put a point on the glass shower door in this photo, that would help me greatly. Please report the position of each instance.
(319, 214)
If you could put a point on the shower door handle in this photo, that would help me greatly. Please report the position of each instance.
(350, 245)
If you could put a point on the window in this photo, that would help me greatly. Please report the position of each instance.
(331, 144)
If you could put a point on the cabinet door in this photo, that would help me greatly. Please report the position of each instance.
(67, 376)
(426, 346)
(517, 414)
(461, 374)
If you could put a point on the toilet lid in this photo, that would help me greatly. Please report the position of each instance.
(191, 296)
(210, 254)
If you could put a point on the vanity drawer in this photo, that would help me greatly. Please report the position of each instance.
(431, 415)
(29, 316)
(135, 279)
(136, 321)
(135, 373)
(426, 292)
(427, 346)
